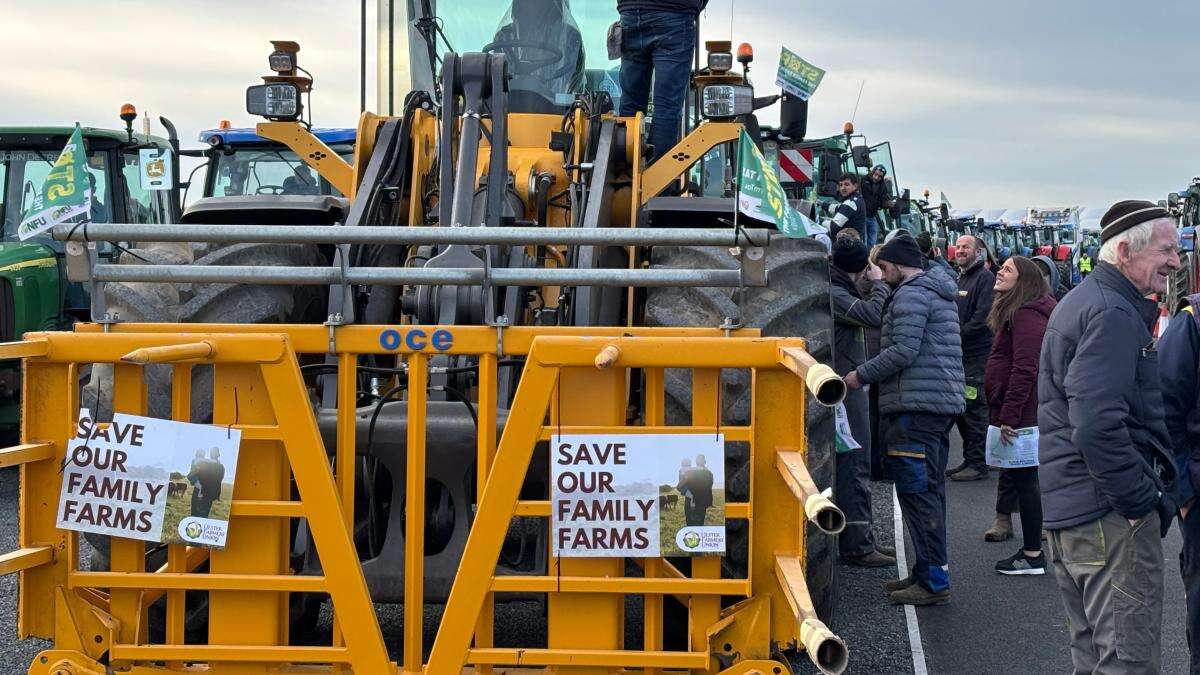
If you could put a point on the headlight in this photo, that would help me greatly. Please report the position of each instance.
(281, 61)
(720, 62)
(727, 100)
(276, 101)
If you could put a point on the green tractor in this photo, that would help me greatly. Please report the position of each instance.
(34, 292)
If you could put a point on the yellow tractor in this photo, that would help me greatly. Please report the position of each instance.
(511, 276)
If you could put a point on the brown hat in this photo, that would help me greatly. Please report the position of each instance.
(1127, 214)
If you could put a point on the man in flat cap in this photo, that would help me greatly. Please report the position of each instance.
(919, 374)
(1106, 465)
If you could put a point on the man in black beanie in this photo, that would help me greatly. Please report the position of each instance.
(1107, 471)
(856, 308)
(919, 374)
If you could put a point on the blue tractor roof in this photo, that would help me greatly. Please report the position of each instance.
(246, 135)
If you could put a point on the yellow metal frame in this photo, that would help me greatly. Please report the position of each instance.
(673, 164)
(312, 151)
(574, 381)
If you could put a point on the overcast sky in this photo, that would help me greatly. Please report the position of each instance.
(997, 104)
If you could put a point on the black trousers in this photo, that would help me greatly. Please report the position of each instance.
(1018, 490)
(973, 423)
(1189, 569)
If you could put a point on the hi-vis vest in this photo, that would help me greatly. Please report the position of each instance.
(1085, 264)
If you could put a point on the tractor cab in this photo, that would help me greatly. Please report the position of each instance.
(119, 194)
(34, 292)
(554, 49)
(242, 163)
(1053, 231)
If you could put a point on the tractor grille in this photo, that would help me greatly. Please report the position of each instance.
(8, 313)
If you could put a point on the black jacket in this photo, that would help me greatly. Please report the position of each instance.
(975, 290)
(1179, 372)
(691, 7)
(875, 195)
(1104, 444)
(855, 312)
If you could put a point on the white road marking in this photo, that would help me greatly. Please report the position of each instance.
(910, 612)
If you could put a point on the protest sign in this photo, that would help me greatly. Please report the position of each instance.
(797, 76)
(150, 479)
(637, 495)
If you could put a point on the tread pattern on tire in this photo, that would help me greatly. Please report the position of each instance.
(794, 303)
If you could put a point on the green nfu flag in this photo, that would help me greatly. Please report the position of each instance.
(761, 196)
(65, 194)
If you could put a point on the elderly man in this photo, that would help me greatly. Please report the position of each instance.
(1106, 465)
(919, 375)
(975, 282)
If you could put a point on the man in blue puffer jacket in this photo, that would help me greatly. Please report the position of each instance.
(919, 373)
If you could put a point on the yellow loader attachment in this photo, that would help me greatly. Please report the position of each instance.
(573, 381)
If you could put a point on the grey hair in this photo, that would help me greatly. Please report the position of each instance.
(1137, 236)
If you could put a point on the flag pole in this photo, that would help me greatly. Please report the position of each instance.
(737, 184)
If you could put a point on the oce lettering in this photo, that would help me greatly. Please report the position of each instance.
(417, 339)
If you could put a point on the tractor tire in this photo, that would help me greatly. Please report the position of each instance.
(249, 303)
(1066, 278)
(205, 303)
(794, 303)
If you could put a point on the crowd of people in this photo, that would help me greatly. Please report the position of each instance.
(991, 350)
(1006, 353)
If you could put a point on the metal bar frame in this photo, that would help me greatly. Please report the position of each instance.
(246, 573)
(406, 236)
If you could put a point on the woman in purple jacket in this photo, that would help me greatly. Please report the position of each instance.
(1018, 319)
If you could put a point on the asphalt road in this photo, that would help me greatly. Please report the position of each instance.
(994, 624)
(998, 624)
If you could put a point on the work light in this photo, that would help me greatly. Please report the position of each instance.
(274, 101)
(282, 62)
(727, 100)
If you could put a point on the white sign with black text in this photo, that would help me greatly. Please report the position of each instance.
(151, 479)
(637, 495)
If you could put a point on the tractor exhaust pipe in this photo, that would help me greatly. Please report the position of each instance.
(825, 385)
(818, 507)
(825, 649)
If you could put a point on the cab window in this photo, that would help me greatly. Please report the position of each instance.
(142, 205)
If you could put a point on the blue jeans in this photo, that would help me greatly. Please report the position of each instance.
(657, 45)
(917, 446)
(872, 232)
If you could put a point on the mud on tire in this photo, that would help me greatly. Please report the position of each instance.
(794, 303)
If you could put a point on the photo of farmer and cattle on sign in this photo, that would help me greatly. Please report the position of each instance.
(150, 479)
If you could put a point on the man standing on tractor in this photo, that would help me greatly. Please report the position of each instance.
(657, 39)
(876, 195)
(919, 375)
(1085, 264)
(975, 291)
(1107, 469)
(851, 212)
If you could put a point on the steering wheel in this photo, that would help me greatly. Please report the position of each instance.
(551, 54)
(269, 190)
